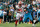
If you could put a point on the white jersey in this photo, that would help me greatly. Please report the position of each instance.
(21, 13)
(20, 8)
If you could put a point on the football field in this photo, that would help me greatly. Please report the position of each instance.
(19, 25)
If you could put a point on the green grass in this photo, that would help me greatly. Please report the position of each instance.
(19, 25)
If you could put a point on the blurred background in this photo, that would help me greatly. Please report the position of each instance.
(9, 8)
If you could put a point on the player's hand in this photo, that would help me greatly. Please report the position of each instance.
(35, 10)
(27, 12)
(24, 9)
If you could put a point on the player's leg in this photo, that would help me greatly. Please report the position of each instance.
(30, 17)
(38, 17)
(37, 20)
(24, 18)
(31, 20)
(20, 19)
(16, 23)
(17, 18)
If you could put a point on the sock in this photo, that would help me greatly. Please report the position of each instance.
(16, 22)
(36, 22)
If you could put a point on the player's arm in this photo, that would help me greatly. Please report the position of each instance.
(18, 10)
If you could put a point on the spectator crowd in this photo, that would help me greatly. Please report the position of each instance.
(16, 11)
